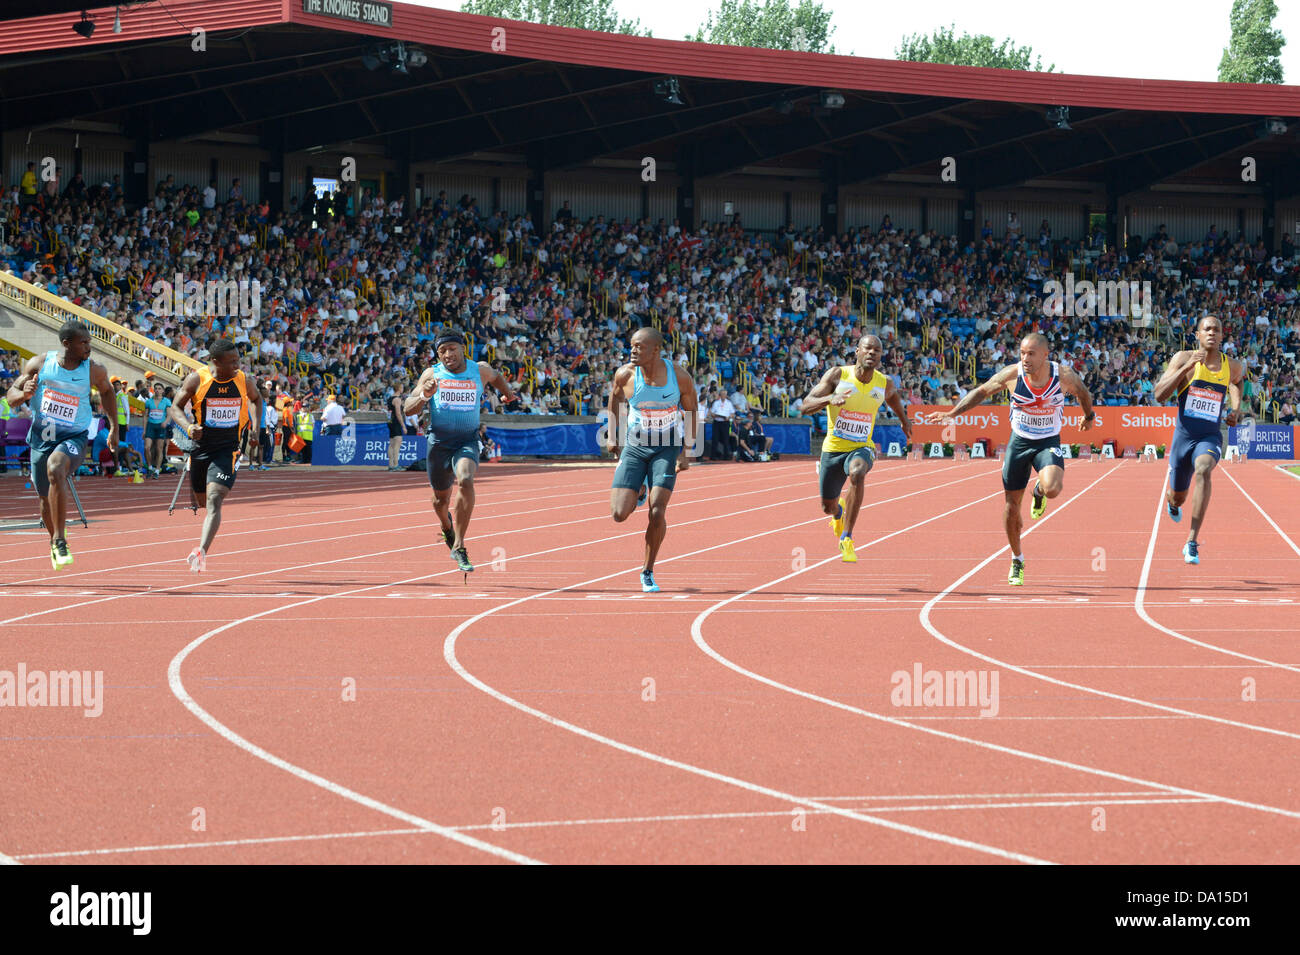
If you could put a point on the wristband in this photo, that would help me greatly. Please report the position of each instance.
(189, 431)
(1089, 416)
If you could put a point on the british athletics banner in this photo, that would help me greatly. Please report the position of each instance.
(1275, 441)
(367, 444)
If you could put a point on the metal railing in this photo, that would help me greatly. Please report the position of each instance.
(116, 339)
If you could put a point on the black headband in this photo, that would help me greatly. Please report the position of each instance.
(447, 338)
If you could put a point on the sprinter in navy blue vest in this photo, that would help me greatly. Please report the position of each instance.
(649, 437)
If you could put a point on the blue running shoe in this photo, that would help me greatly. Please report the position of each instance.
(1190, 553)
(648, 585)
(1175, 513)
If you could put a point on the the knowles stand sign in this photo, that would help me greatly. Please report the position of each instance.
(1270, 441)
(1127, 426)
(358, 11)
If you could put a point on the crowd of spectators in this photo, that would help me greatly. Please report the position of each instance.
(353, 288)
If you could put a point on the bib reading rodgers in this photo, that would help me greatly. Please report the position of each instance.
(454, 407)
(455, 394)
(852, 423)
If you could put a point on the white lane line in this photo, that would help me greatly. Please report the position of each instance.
(449, 654)
(177, 687)
(1272, 523)
(383, 553)
(262, 532)
(697, 635)
(8, 860)
(613, 820)
(1034, 674)
(1139, 597)
(1287, 471)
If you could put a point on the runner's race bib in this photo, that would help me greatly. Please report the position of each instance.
(59, 406)
(1204, 403)
(854, 426)
(659, 420)
(455, 394)
(156, 416)
(1038, 422)
(221, 413)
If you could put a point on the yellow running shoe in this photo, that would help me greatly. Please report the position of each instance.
(60, 556)
(847, 553)
(1040, 503)
(837, 523)
(1016, 578)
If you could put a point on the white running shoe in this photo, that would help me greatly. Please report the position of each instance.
(197, 560)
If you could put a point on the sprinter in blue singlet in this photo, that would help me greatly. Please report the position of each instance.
(1205, 380)
(648, 436)
(58, 385)
(453, 390)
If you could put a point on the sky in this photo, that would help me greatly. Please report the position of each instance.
(1155, 39)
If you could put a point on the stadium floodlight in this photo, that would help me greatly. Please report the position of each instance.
(832, 99)
(669, 90)
(85, 27)
(415, 57)
(1059, 116)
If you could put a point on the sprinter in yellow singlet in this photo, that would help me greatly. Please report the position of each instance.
(852, 396)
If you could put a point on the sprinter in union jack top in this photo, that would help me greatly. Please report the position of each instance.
(1038, 388)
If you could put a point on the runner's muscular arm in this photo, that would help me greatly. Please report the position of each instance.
(255, 402)
(498, 381)
(1172, 381)
(895, 402)
(985, 391)
(1071, 382)
(690, 416)
(418, 398)
(186, 397)
(1236, 375)
(24, 385)
(823, 393)
(615, 408)
(99, 380)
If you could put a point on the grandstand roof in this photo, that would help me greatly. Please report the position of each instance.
(295, 80)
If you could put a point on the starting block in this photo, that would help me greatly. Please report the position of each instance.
(935, 450)
(1108, 451)
(895, 450)
(1085, 452)
(1066, 452)
(1000, 451)
(977, 449)
(1232, 452)
(1149, 453)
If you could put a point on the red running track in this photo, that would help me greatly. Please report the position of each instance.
(1145, 711)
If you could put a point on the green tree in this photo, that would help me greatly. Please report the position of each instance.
(771, 24)
(597, 15)
(944, 46)
(1254, 54)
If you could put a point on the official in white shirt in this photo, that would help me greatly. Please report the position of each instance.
(332, 416)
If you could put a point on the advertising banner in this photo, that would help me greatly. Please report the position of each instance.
(1129, 426)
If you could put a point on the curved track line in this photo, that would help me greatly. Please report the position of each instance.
(1139, 600)
(935, 632)
(449, 654)
(177, 687)
(697, 635)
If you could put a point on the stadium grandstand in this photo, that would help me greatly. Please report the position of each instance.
(378, 180)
